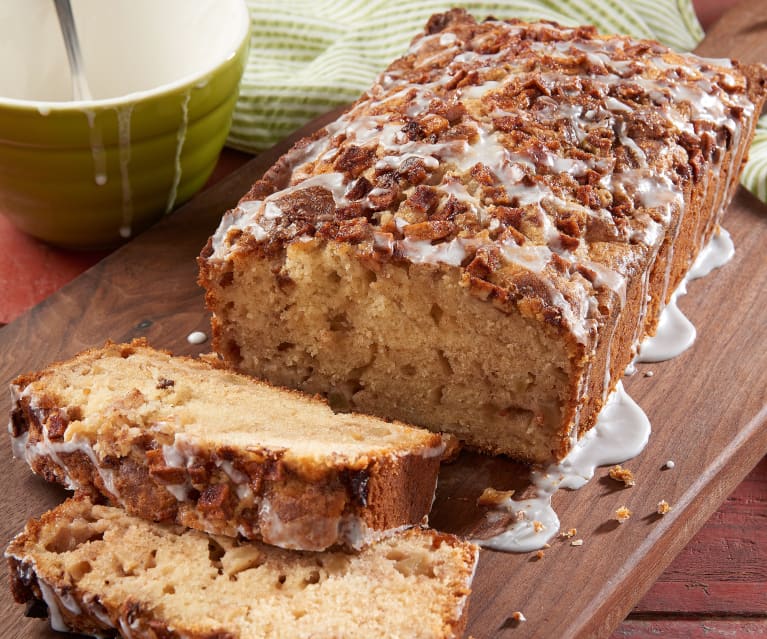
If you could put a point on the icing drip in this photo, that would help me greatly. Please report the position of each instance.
(123, 128)
(621, 432)
(675, 333)
(180, 139)
(197, 337)
(54, 611)
(714, 255)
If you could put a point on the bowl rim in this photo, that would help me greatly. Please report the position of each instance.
(46, 107)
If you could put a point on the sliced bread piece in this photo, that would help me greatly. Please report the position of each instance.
(179, 440)
(98, 568)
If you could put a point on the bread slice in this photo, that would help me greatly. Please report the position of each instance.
(479, 245)
(98, 568)
(179, 440)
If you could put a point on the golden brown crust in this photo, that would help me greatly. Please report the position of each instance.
(249, 491)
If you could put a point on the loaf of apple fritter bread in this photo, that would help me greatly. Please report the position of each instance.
(481, 242)
(178, 440)
(99, 570)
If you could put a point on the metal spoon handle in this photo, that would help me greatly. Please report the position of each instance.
(80, 88)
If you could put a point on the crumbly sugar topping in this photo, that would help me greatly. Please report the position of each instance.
(547, 162)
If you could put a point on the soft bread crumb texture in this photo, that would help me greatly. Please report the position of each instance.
(393, 343)
(142, 576)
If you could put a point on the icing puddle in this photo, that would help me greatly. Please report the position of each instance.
(621, 432)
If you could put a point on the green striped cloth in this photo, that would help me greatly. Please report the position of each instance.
(307, 56)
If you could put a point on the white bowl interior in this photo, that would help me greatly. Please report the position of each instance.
(127, 46)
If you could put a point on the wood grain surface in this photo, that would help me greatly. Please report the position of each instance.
(708, 408)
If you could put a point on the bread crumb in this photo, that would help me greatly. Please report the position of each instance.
(518, 616)
(453, 447)
(618, 473)
(569, 534)
(576, 542)
(669, 464)
(538, 526)
(540, 554)
(622, 514)
(520, 515)
(493, 497)
(663, 507)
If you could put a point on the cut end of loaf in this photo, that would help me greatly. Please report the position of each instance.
(98, 568)
(400, 341)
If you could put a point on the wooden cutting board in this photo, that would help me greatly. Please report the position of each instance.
(708, 408)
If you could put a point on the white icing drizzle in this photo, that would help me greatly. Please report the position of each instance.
(177, 455)
(621, 432)
(240, 480)
(180, 139)
(69, 602)
(54, 450)
(675, 333)
(530, 256)
(97, 149)
(123, 132)
(54, 611)
(423, 251)
(719, 250)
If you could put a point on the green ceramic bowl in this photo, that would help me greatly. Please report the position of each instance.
(164, 76)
